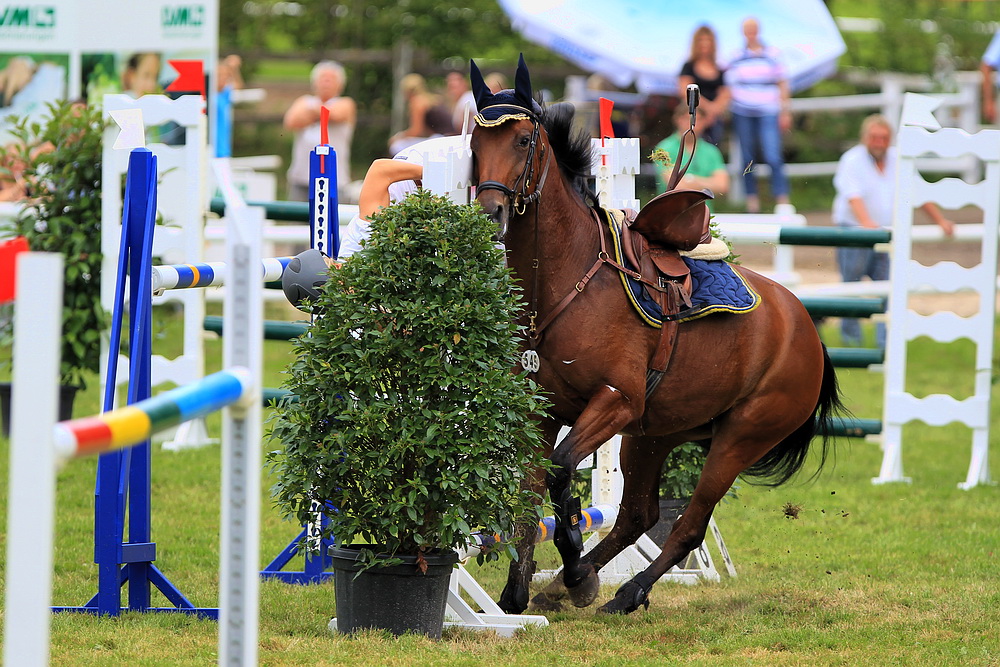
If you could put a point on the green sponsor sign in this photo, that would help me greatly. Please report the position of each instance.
(182, 17)
(27, 17)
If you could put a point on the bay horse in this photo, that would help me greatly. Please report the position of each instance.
(754, 388)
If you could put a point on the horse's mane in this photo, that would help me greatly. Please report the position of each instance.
(572, 147)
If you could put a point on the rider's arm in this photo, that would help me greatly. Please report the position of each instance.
(383, 173)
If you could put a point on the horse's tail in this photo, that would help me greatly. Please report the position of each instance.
(785, 459)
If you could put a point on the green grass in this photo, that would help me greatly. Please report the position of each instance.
(866, 575)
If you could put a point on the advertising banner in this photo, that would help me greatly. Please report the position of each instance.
(82, 49)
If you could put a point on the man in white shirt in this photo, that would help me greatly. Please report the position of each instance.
(865, 183)
(303, 118)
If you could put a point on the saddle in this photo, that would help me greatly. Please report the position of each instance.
(651, 242)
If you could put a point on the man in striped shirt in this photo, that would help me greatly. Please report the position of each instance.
(760, 111)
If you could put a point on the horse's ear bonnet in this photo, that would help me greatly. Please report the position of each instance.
(510, 104)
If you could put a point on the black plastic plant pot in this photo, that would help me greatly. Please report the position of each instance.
(670, 510)
(67, 393)
(397, 598)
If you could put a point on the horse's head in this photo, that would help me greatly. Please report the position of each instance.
(510, 148)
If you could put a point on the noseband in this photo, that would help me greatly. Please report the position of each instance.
(519, 196)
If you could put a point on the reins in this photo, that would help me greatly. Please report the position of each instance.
(677, 173)
(603, 257)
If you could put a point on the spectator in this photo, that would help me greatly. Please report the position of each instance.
(989, 67)
(12, 184)
(227, 79)
(865, 183)
(438, 120)
(598, 84)
(228, 74)
(495, 81)
(703, 69)
(760, 111)
(141, 75)
(460, 100)
(707, 169)
(418, 102)
(26, 86)
(303, 118)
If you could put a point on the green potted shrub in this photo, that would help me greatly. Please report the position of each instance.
(62, 153)
(410, 426)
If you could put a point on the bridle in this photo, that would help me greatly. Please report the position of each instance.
(519, 196)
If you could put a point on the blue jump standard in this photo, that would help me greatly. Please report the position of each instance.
(122, 493)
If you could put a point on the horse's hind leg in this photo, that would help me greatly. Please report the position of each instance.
(741, 438)
(641, 464)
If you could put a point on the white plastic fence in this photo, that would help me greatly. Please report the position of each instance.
(920, 135)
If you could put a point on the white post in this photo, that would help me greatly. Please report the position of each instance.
(448, 171)
(31, 503)
(241, 457)
(614, 171)
(900, 406)
(182, 201)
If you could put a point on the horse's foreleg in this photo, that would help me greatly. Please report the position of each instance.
(514, 598)
(640, 462)
(608, 411)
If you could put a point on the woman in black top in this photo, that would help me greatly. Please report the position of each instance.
(703, 70)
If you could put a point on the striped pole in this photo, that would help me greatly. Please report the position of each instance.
(135, 423)
(596, 518)
(209, 274)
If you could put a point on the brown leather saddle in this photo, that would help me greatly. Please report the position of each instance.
(651, 240)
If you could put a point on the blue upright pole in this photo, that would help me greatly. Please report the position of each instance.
(324, 219)
(324, 235)
(124, 477)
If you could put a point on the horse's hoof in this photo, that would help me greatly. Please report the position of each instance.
(542, 602)
(584, 593)
(513, 604)
(508, 608)
(629, 597)
(550, 597)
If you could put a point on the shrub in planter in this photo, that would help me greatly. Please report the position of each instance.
(410, 421)
(62, 154)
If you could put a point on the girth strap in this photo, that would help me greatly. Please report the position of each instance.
(669, 302)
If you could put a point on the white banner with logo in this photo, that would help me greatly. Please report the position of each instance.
(82, 49)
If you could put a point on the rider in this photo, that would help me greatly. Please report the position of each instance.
(387, 181)
(390, 180)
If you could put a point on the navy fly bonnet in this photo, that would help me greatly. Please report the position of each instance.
(509, 104)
